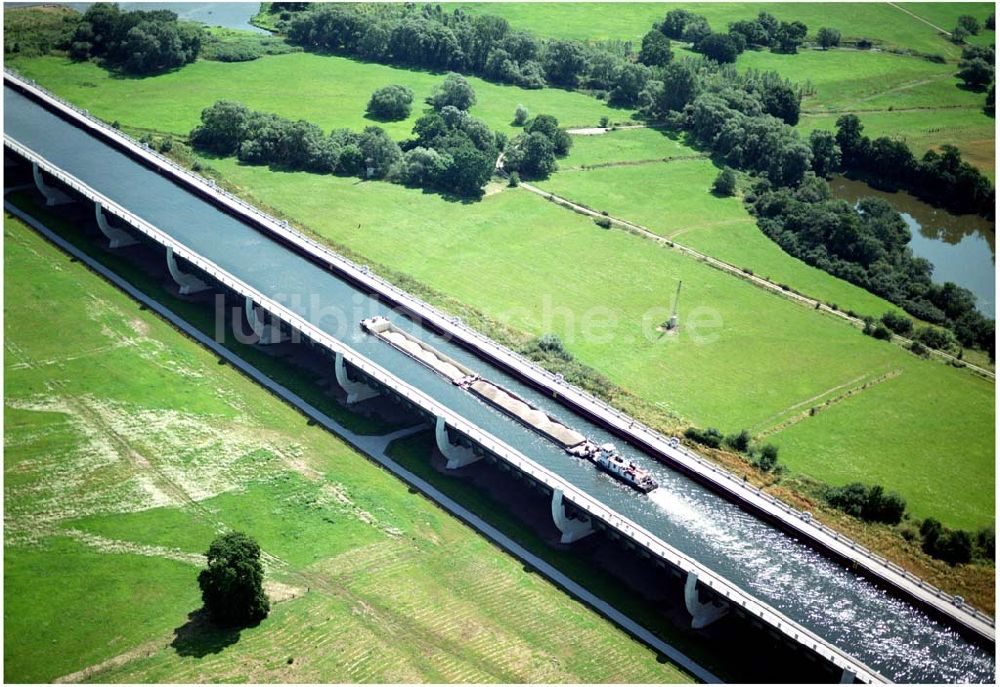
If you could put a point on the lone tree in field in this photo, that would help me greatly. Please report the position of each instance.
(232, 586)
(391, 103)
(725, 183)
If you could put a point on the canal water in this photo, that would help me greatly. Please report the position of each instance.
(962, 248)
(895, 638)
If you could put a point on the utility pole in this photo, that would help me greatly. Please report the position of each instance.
(672, 322)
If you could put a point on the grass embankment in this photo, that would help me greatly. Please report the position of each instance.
(128, 447)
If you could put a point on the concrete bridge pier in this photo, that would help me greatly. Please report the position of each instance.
(266, 333)
(458, 456)
(188, 282)
(702, 614)
(117, 238)
(572, 529)
(356, 391)
(847, 677)
(53, 196)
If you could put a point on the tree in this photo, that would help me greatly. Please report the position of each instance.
(674, 23)
(521, 115)
(959, 34)
(655, 50)
(564, 62)
(720, 47)
(390, 103)
(969, 23)
(679, 87)
(825, 151)
(630, 81)
(990, 107)
(232, 586)
(531, 154)
(380, 153)
(828, 37)
(455, 91)
(739, 442)
(976, 73)
(548, 126)
(725, 183)
(696, 29)
(789, 37)
(223, 126)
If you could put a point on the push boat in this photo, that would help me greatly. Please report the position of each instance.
(605, 457)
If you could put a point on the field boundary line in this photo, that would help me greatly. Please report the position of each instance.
(919, 18)
(365, 445)
(729, 268)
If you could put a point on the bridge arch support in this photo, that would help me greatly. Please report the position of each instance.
(356, 391)
(117, 238)
(188, 283)
(53, 196)
(702, 614)
(266, 333)
(572, 529)
(458, 456)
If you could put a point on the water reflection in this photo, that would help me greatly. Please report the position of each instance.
(962, 248)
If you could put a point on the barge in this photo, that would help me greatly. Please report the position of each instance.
(604, 457)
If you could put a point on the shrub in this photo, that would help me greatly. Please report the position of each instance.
(959, 34)
(918, 348)
(900, 324)
(739, 442)
(390, 103)
(454, 91)
(166, 145)
(881, 332)
(934, 337)
(710, 437)
(604, 122)
(602, 222)
(872, 504)
(725, 183)
(521, 115)
(514, 180)
(768, 458)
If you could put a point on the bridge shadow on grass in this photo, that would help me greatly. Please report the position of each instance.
(200, 637)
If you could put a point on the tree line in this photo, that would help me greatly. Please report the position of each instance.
(451, 151)
(941, 178)
(138, 42)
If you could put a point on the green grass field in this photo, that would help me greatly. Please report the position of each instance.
(898, 95)
(630, 20)
(173, 102)
(946, 464)
(127, 447)
(672, 199)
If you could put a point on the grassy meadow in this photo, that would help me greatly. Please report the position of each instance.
(893, 94)
(172, 102)
(673, 199)
(127, 448)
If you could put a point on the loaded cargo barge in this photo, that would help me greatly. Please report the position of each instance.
(605, 457)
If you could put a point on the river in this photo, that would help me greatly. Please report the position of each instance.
(962, 248)
(229, 15)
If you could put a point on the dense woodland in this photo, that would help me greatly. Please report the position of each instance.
(137, 42)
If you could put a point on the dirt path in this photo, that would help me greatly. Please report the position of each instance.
(723, 266)
(599, 130)
(920, 19)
